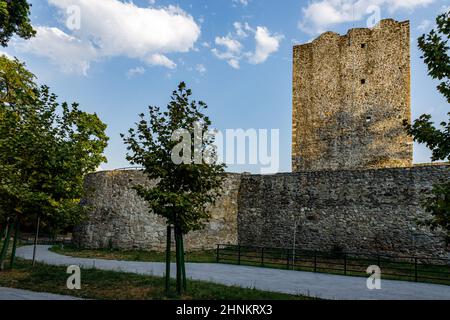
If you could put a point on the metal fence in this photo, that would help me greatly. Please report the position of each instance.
(44, 239)
(419, 269)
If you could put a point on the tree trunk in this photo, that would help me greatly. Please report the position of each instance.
(16, 238)
(178, 256)
(36, 236)
(2, 230)
(183, 263)
(5, 247)
(168, 253)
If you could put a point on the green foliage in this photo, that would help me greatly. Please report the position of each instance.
(46, 149)
(436, 53)
(438, 204)
(435, 50)
(183, 191)
(437, 140)
(14, 19)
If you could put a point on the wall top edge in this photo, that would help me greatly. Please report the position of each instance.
(383, 24)
(419, 167)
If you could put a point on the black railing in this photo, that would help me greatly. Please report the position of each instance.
(419, 269)
(44, 239)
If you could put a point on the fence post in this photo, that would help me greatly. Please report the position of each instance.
(239, 254)
(287, 259)
(315, 261)
(345, 264)
(415, 269)
(217, 254)
(262, 256)
(293, 258)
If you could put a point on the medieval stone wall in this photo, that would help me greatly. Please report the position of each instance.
(355, 211)
(119, 218)
(351, 94)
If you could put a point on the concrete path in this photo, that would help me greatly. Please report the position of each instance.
(17, 294)
(293, 282)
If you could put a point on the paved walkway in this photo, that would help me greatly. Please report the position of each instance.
(293, 282)
(17, 294)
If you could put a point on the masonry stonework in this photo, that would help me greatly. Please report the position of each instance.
(119, 218)
(354, 210)
(374, 210)
(351, 94)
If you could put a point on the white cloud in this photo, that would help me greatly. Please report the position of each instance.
(200, 68)
(234, 63)
(244, 3)
(266, 44)
(71, 54)
(231, 44)
(394, 5)
(242, 29)
(222, 55)
(232, 51)
(424, 25)
(157, 59)
(318, 16)
(124, 29)
(135, 71)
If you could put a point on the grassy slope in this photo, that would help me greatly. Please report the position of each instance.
(98, 284)
(149, 256)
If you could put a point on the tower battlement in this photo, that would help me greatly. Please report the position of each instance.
(351, 94)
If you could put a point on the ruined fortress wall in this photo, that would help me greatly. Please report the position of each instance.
(351, 94)
(357, 211)
(119, 218)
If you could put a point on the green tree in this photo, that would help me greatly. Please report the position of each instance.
(435, 50)
(184, 188)
(14, 19)
(46, 149)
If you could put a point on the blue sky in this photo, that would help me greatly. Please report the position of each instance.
(234, 54)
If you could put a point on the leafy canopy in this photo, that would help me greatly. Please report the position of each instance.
(435, 50)
(183, 191)
(14, 19)
(436, 55)
(46, 149)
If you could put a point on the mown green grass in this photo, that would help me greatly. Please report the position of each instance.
(206, 256)
(111, 285)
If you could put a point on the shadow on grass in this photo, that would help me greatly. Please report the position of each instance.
(111, 285)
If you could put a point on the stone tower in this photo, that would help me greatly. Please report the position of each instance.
(351, 94)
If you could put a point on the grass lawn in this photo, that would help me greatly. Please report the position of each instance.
(208, 256)
(111, 285)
